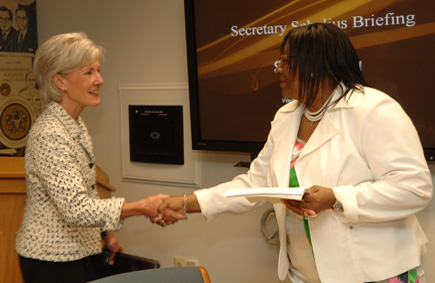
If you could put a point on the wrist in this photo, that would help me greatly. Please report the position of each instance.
(192, 204)
(184, 204)
(130, 209)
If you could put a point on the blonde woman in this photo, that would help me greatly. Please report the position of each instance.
(64, 219)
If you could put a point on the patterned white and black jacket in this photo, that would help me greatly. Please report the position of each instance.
(63, 215)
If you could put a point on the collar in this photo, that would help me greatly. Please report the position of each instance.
(23, 32)
(344, 102)
(73, 128)
(77, 130)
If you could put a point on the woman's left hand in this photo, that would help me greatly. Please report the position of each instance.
(112, 244)
(320, 199)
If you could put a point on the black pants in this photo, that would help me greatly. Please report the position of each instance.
(79, 271)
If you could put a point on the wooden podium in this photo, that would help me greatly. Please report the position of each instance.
(12, 199)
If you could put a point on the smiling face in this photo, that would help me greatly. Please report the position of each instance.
(80, 88)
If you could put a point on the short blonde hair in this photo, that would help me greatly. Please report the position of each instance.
(62, 54)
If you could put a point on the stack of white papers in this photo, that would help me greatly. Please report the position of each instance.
(271, 194)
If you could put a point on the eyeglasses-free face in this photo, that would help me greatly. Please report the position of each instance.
(22, 20)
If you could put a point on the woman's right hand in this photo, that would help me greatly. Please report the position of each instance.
(171, 210)
(147, 207)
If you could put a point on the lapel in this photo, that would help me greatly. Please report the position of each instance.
(85, 140)
(329, 126)
(77, 131)
(323, 133)
(285, 131)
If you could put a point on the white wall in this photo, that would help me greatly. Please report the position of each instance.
(145, 43)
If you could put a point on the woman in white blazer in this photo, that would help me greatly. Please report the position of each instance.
(359, 154)
(64, 220)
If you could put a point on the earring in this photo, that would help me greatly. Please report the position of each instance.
(64, 90)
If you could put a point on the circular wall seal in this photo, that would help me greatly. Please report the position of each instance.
(16, 117)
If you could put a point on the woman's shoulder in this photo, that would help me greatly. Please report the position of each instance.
(371, 104)
(365, 98)
(47, 126)
(46, 121)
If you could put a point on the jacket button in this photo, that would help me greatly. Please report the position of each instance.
(351, 227)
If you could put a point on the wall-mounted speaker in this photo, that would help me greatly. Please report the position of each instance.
(156, 134)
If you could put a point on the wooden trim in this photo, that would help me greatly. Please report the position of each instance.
(12, 175)
(11, 167)
(12, 186)
(103, 179)
(204, 273)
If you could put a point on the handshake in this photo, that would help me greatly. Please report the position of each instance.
(162, 209)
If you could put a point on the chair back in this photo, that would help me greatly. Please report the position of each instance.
(162, 275)
(123, 263)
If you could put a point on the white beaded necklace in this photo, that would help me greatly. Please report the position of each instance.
(317, 115)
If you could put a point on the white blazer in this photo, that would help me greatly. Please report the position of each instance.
(365, 148)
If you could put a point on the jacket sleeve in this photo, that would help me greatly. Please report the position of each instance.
(212, 200)
(401, 184)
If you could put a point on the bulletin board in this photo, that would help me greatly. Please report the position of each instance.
(19, 94)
